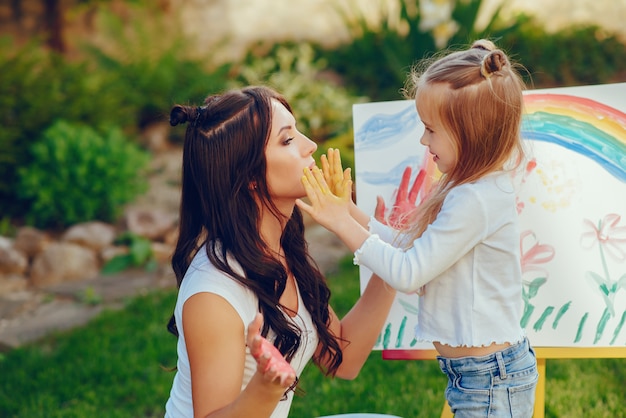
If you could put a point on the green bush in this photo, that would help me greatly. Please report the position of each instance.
(38, 87)
(139, 254)
(577, 55)
(377, 59)
(152, 76)
(76, 175)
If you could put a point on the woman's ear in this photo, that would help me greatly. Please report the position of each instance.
(252, 185)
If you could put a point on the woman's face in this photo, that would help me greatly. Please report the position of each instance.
(439, 142)
(287, 153)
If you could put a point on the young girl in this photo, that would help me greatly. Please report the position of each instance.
(463, 253)
(243, 270)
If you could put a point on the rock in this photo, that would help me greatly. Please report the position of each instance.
(12, 283)
(64, 261)
(162, 252)
(30, 241)
(95, 235)
(152, 224)
(12, 261)
(109, 253)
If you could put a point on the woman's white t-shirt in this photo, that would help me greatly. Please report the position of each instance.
(203, 276)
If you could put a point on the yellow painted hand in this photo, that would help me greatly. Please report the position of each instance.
(334, 174)
(327, 208)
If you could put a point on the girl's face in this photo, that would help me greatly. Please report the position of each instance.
(287, 153)
(439, 142)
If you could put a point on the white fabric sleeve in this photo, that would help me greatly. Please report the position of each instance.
(385, 232)
(460, 225)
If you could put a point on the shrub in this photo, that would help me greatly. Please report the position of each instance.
(38, 87)
(577, 55)
(76, 175)
(151, 76)
(139, 254)
(377, 59)
(379, 56)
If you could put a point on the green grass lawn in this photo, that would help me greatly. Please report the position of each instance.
(116, 367)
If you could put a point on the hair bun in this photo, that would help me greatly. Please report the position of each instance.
(493, 62)
(179, 114)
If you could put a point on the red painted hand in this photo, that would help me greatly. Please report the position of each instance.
(270, 362)
(404, 204)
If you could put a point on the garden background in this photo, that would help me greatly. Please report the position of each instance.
(85, 90)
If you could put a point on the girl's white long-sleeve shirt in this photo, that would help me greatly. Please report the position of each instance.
(468, 261)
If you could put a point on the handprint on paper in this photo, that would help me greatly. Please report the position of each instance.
(610, 239)
(404, 205)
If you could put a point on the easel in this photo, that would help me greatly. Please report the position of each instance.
(543, 353)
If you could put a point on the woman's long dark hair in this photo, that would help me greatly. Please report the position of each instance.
(223, 155)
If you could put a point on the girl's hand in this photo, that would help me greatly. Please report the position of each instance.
(404, 205)
(327, 208)
(270, 362)
(334, 174)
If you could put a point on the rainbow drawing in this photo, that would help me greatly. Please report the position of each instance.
(588, 127)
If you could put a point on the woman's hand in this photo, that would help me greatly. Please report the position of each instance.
(270, 362)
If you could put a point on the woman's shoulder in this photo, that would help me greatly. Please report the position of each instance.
(203, 276)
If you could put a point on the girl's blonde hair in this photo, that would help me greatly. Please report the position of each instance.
(481, 110)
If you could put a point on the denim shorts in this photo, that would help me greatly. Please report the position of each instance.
(501, 384)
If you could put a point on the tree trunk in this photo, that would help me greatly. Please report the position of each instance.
(53, 19)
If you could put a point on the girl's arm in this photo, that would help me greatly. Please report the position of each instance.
(358, 331)
(459, 226)
(216, 349)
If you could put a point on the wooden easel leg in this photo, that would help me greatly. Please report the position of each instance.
(446, 412)
(540, 391)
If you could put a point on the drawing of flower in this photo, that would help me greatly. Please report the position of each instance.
(608, 235)
(611, 238)
(533, 256)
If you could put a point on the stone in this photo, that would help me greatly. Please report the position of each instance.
(12, 283)
(12, 261)
(95, 235)
(30, 241)
(152, 224)
(64, 261)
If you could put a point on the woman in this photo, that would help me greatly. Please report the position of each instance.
(241, 251)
